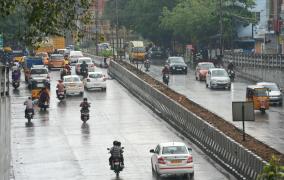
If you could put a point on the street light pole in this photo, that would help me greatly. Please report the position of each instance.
(96, 22)
(221, 26)
(116, 27)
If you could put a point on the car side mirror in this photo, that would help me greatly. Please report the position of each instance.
(152, 151)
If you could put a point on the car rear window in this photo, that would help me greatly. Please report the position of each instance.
(57, 57)
(76, 53)
(206, 66)
(95, 75)
(39, 71)
(72, 79)
(219, 73)
(86, 60)
(174, 150)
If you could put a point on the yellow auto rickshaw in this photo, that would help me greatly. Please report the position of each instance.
(37, 87)
(259, 95)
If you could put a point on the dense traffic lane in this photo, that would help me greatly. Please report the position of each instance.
(268, 127)
(58, 146)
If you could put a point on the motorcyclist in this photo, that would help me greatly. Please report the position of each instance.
(116, 152)
(85, 105)
(59, 87)
(44, 96)
(16, 74)
(66, 60)
(165, 70)
(29, 106)
(230, 66)
(84, 67)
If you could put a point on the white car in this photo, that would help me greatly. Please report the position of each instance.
(89, 62)
(74, 55)
(73, 85)
(218, 78)
(38, 73)
(95, 80)
(172, 158)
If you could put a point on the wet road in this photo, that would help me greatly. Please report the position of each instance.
(268, 127)
(59, 147)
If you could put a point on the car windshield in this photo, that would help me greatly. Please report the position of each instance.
(95, 75)
(156, 49)
(39, 71)
(86, 60)
(57, 57)
(72, 79)
(76, 53)
(261, 92)
(206, 66)
(272, 87)
(176, 60)
(139, 49)
(174, 150)
(42, 55)
(219, 73)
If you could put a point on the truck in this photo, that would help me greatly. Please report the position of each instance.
(51, 43)
(136, 51)
(29, 62)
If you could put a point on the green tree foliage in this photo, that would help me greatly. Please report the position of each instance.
(272, 171)
(197, 21)
(47, 17)
(141, 16)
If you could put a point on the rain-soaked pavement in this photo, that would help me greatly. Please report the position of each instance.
(59, 147)
(268, 127)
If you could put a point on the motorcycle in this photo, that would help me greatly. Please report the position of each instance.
(85, 115)
(147, 65)
(84, 73)
(29, 116)
(61, 95)
(43, 105)
(16, 83)
(116, 165)
(231, 74)
(166, 79)
(65, 72)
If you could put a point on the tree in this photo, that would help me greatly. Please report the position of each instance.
(44, 18)
(272, 171)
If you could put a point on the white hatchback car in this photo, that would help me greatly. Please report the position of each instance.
(89, 62)
(172, 158)
(218, 78)
(73, 85)
(95, 80)
(74, 55)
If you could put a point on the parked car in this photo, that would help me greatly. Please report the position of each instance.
(172, 158)
(275, 93)
(56, 61)
(89, 61)
(73, 85)
(201, 70)
(38, 73)
(95, 80)
(218, 78)
(177, 65)
(74, 56)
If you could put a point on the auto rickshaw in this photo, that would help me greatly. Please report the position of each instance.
(259, 95)
(37, 86)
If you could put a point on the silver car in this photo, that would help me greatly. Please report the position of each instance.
(275, 93)
(218, 78)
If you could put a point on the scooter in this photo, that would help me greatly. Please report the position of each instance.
(147, 65)
(84, 73)
(231, 74)
(16, 83)
(43, 105)
(61, 95)
(29, 116)
(116, 165)
(85, 115)
(166, 79)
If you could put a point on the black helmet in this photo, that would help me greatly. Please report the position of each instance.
(118, 143)
(115, 143)
(85, 99)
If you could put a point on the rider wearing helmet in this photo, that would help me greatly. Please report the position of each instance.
(60, 87)
(83, 66)
(85, 105)
(166, 70)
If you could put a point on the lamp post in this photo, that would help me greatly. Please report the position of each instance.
(116, 27)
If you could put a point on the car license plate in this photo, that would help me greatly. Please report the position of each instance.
(175, 161)
(116, 163)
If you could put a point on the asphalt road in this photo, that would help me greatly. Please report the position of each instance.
(268, 127)
(58, 146)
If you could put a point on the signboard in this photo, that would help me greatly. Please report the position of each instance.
(243, 111)
(1, 41)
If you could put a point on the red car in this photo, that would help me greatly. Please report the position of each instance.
(202, 70)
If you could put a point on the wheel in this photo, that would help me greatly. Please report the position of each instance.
(117, 174)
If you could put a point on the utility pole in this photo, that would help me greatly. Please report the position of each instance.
(221, 27)
(116, 27)
(96, 23)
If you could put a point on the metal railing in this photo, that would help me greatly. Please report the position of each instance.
(233, 156)
(5, 132)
